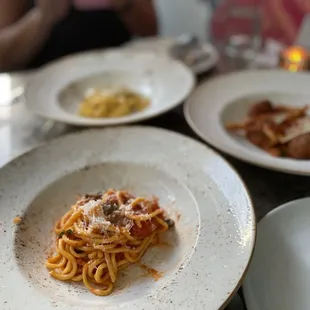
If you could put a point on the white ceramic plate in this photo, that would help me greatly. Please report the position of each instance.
(227, 99)
(210, 248)
(162, 46)
(56, 91)
(279, 276)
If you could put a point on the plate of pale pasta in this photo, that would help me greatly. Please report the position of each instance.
(109, 87)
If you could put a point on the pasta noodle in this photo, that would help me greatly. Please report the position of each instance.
(112, 103)
(102, 234)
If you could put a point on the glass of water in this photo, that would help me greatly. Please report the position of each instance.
(236, 30)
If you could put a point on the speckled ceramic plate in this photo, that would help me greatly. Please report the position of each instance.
(208, 251)
(226, 99)
(57, 90)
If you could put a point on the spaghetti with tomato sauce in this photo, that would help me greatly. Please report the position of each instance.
(103, 234)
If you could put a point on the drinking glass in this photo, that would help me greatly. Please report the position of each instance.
(236, 32)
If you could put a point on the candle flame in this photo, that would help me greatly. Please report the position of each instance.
(295, 58)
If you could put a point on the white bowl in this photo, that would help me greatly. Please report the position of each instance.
(279, 275)
(210, 247)
(226, 99)
(56, 91)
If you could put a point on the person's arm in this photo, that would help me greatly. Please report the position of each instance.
(20, 41)
(139, 16)
(21, 36)
(11, 11)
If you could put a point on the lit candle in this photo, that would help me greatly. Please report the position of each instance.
(294, 58)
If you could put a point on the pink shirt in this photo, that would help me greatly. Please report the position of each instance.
(91, 4)
(281, 19)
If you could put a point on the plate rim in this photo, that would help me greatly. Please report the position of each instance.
(281, 207)
(90, 122)
(198, 143)
(196, 69)
(269, 216)
(222, 148)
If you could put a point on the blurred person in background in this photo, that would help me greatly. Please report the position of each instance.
(281, 19)
(33, 33)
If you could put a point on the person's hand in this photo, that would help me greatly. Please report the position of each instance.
(53, 11)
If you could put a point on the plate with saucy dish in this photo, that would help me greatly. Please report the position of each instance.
(261, 117)
(109, 87)
(102, 225)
